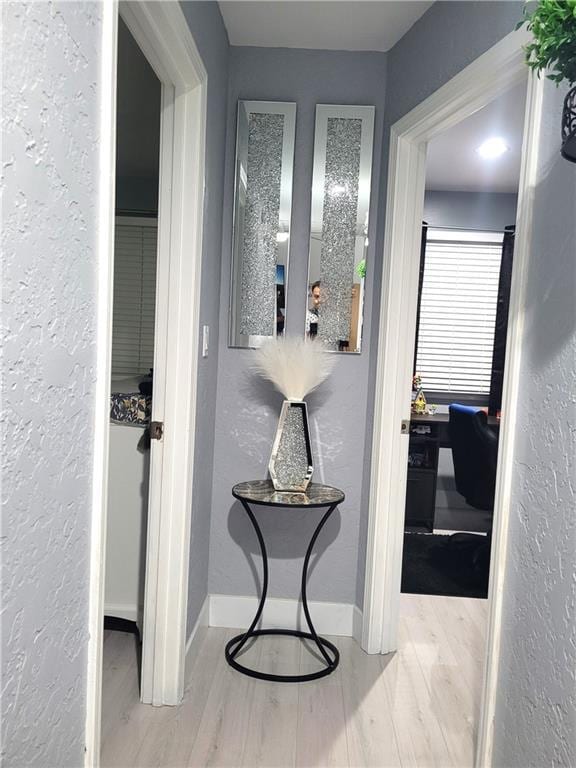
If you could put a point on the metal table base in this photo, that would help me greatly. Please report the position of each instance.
(327, 650)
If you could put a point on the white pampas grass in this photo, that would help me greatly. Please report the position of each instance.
(294, 365)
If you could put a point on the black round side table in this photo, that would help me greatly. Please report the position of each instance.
(262, 492)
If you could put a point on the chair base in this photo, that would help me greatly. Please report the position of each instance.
(478, 547)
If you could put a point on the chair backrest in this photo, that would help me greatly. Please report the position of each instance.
(475, 455)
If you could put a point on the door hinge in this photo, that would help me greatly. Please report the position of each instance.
(156, 430)
(405, 427)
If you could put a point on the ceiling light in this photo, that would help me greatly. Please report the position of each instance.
(492, 148)
(282, 237)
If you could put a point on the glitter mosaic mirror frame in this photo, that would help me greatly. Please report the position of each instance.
(262, 209)
(343, 143)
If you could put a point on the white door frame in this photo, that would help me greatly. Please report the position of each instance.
(483, 80)
(161, 31)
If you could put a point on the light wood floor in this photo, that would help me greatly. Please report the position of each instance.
(415, 708)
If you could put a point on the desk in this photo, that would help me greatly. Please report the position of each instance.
(427, 435)
(439, 424)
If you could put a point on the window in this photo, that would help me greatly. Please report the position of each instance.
(134, 296)
(457, 313)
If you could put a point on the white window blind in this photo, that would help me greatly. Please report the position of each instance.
(134, 296)
(458, 311)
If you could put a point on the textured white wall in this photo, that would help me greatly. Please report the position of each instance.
(50, 110)
(535, 720)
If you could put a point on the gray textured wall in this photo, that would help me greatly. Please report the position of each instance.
(448, 37)
(248, 410)
(442, 42)
(476, 210)
(207, 27)
(535, 723)
(50, 114)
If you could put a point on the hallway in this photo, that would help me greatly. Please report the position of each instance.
(415, 708)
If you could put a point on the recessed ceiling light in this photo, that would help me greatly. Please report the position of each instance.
(492, 148)
(282, 237)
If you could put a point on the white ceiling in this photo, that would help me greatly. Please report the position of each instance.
(453, 163)
(340, 26)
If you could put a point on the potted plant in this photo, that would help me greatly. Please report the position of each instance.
(553, 27)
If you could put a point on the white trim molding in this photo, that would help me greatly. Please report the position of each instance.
(510, 403)
(279, 613)
(106, 217)
(485, 79)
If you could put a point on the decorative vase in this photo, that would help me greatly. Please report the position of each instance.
(290, 464)
(569, 126)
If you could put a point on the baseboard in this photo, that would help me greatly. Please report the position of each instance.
(329, 618)
(119, 611)
(193, 642)
(357, 620)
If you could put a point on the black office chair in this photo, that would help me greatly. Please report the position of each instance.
(475, 455)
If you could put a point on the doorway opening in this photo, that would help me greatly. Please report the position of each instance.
(466, 260)
(131, 391)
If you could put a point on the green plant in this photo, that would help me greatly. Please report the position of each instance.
(361, 269)
(553, 26)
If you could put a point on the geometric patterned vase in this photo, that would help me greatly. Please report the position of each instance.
(290, 464)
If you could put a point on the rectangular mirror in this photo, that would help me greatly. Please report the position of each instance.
(262, 209)
(339, 225)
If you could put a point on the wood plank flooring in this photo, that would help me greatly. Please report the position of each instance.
(412, 709)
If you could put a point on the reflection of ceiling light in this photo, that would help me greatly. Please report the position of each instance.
(492, 148)
(338, 189)
(281, 237)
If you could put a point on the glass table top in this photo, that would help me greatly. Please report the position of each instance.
(263, 492)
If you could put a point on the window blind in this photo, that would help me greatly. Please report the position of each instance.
(134, 296)
(458, 311)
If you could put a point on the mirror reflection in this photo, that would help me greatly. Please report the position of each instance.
(339, 225)
(262, 208)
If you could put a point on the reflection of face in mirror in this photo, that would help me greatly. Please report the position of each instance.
(313, 309)
(316, 296)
